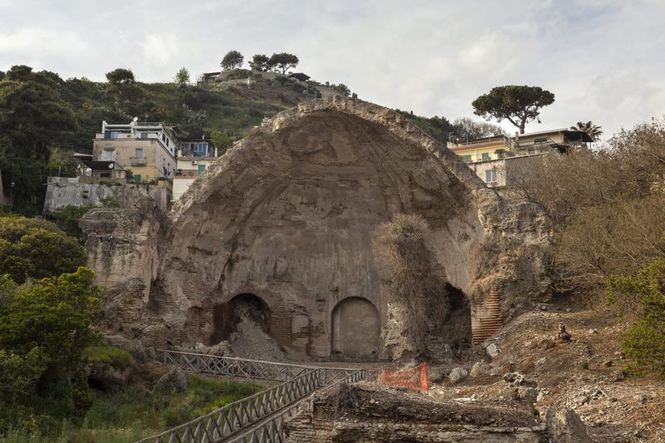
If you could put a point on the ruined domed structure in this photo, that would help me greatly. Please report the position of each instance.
(282, 226)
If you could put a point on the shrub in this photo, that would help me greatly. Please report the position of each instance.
(33, 248)
(116, 357)
(642, 298)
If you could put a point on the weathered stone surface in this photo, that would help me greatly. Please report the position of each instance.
(480, 368)
(564, 426)
(122, 246)
(360, 413)
(173, 381)
(457, 375)
(288, 215)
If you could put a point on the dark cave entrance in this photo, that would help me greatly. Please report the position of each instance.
(455, 330)
(242, 307)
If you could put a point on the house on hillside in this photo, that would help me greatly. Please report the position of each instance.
(194, 158)
(148, 149)
(497, 160)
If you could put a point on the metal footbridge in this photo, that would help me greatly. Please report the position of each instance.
(254, 419)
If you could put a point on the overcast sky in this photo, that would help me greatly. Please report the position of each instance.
(603, 59)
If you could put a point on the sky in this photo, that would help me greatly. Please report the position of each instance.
(603, 59)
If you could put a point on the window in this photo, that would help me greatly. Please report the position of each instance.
(466, 158)
(491, 176)
(485, 156)
(139, 153)
(200, 149)
(540, 140)
(201, 169)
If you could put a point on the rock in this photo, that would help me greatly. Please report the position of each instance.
(223, 348)
(173, 381)
(513, 378)
(607, 363)
(617, 376)
(540, 362)
(457, 375)
(438, 374)
(564, 426)
(640, 398)
(321, 176)
(493, 350)
(480, 368)
(528, 394)
(547, 344)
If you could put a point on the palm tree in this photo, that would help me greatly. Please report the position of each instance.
(593, 131)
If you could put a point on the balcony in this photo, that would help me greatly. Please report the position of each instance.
(138, 161)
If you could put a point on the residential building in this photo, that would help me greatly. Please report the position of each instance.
(147, 149)
(99, 170)
(498, 160)
(194, 158)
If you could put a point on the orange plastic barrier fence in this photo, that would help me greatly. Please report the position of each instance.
(415, 379)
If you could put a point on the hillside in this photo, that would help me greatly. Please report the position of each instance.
(46, 118)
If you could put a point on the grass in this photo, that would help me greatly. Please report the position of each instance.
(116, 357)
(136, 412)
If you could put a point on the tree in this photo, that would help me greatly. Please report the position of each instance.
(120, 76)
(48, 325)
(182, 77)
(232, 60)
(517, 104)
(466, 128)
(33, 119)
(259, 62)
(31, 248)
(593, 131)
(222, 140)
(342, 89)
(283, 61)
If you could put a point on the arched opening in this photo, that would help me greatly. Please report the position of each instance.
(456, 329)
(355, 329)
(241, 308)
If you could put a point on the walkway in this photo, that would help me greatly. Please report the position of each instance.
(258, 418)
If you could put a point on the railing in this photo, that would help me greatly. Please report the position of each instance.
(231, 366)
(272, 430)
(234, 417)
(258, 418)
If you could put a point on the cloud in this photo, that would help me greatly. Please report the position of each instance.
(600, 57)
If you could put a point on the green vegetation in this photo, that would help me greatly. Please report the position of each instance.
(110, 355)
(32, 248)
(517, 104)
(593, 131)
(137, 412)
(438, 128)
(44, 328)
(607, 211)
(232, 60)
(642, 297)
(68, 218)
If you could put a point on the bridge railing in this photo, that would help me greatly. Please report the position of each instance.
(231, 366)
(272, 430)
(242, 414)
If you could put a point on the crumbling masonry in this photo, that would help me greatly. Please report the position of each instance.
(283, 223)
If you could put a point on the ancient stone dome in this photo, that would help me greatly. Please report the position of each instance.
(282, 225)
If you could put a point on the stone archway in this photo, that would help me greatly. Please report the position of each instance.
(355, 329)
(227, 316)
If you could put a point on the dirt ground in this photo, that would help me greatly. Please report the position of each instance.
(587, 373)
